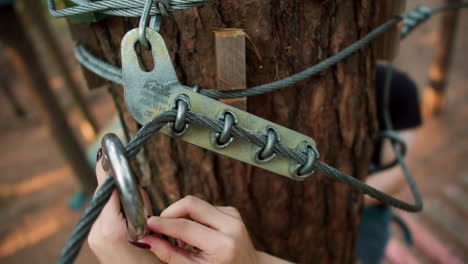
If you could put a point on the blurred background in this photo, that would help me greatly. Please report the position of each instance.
(38, 191)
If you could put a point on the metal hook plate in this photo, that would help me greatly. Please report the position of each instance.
(149, 94)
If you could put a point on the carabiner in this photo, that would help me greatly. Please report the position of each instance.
(115, 161)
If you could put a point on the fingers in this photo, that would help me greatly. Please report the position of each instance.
(112, 208)
(188, 231)
(198, 210)
(167, 252)
(101, 175)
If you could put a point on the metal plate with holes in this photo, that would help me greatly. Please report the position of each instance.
(148, 94)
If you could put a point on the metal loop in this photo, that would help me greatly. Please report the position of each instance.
(196, 88)
(179, 126)
(143, 22)
(263, 155)
(308, 167)
(299, 171)
(271, 141)
(115, 161)
(227, 129)
(155, 23)
(163, 6)
(223, 139)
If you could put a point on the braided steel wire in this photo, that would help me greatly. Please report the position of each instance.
(114, 74)
(73, 245)
(411, 20)
(124, 8)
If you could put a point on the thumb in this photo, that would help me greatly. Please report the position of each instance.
(113, 205)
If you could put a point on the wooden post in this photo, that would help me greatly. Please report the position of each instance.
(35, 16)
(230, 63)
(5, 86)
(20, 50)
(434, 93)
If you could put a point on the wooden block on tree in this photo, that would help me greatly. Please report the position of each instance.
(230, 63)
(387, 45)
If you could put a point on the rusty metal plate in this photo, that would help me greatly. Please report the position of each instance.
(148, 94)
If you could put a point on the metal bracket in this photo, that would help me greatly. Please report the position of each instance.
(149, 94)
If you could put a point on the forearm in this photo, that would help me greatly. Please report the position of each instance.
(389, 181)
(264, 258)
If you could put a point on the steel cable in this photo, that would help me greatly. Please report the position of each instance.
(411, 20)
(73, 245)
(124, 8)
(114, 74)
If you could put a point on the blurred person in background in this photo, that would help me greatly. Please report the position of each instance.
(403, 106)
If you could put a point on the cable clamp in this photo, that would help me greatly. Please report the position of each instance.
(301, 171)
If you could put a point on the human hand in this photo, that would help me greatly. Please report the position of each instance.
(108, 238)
(218, 233)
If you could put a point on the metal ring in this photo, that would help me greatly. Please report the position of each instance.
(179, 126)
(299, 171)
(269, 147)
(263, 155)
(227, 129)
(115, 161)
(308, 168)
(196, 88)
(180, 118)
(163, 6)
(143, 22)
(223, 139)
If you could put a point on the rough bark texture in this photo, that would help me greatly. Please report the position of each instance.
(314, 221)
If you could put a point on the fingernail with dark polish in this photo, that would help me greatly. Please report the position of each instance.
(139, 244)
(99, 155)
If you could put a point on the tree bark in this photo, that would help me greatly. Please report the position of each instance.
(314, 221)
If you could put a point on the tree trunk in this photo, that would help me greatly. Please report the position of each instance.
(314, 221)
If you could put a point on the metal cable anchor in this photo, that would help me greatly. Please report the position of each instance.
(223, 139)
(266, 154)
(115, 161)
(179, 126)
(299, 171)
